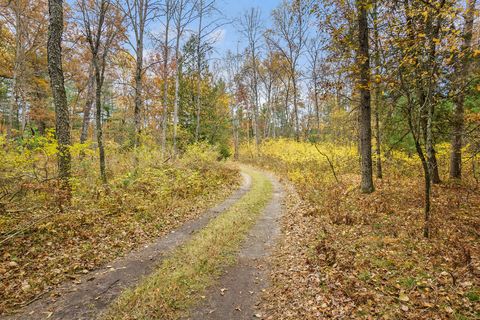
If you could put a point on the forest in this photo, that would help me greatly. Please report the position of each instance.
(222, 159)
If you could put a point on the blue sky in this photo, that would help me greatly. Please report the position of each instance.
(232, 9)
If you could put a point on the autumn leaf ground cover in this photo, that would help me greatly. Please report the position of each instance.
(45, 240)
(348, 255)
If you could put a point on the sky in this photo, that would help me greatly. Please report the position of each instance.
(233, 9)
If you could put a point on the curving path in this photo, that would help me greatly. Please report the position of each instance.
(234, 296)
(98, 289)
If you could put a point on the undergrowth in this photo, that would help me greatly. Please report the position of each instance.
(350, 255)
(45, 241)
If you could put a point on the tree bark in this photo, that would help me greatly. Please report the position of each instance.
(433, 31)
(98, 120)
(88, 104)
(62, 121)
(168, 13)
(255, 105)
(138, 90)
(177, 88)
(365, 130)
(378, 148)
(427, 179)
(295, 106)
(139, 25)
(462, 74)
(317, 107)
(199, 72)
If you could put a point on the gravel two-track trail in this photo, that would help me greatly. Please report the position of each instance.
(234, 295)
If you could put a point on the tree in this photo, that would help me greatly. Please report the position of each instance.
(314, 52)
(232, 68)
(62, 122)
(251, 27)
(418, 82)
(462, 83)
(168, 9)
(101, 25)
(363, 85)
(139, 14)
(205, 9)
(88, 103)
(27, 21)
(378, 90)
(289, 36)
(183, 16)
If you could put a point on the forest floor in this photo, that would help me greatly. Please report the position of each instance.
(348, 255)
(364, 257)
(87, 297)
(248, 220)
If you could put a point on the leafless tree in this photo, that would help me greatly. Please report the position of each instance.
(232, 65)
(289, 36)
(205, 9)
(167, 10)
(139, 14)
(314, 51)
(90, 94)
(102, 23)
(252, 28)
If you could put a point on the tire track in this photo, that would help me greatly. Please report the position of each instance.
(98, 289)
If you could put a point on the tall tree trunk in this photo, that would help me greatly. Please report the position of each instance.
(199, 72)
(62, 121)
(88, 104)
(177, 88)
(235, 133)
(269, 118)
(317, 107)
(256, 127)
(138, 90)
(462, 74)
(378, 141)
(365, 130)
(433, 31)
(165, 77)
(378, 147)
(98, 119)
(287, 98)
(420, 96)
(427, 178)
(18, 102)
(11, 115)
(295, 106)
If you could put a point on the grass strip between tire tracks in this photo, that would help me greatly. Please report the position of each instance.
(178, 283)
